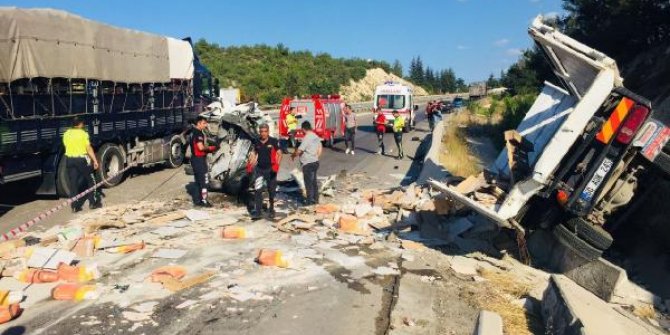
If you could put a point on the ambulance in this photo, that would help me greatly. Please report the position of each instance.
(392, 96)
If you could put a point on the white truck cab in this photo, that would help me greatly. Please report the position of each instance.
(580, 154)
(392, 96)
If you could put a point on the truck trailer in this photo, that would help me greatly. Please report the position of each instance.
(136, 93)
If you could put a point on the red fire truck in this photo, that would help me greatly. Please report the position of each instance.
(324, 113)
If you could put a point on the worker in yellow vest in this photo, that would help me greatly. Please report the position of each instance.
(78, 154)
(292, 126)
(398, 126)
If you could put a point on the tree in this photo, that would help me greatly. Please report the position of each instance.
(429, 79)
(397, 68)
(416, 73)
(492, 82)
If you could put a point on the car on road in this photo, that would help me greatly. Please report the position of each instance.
(458, 102)
(447, 106)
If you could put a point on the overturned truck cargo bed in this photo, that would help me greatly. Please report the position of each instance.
(580, 155)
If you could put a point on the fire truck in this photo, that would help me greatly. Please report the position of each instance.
(324, 113)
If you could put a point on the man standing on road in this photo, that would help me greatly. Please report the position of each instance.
(264, 161)
(349, 129)
(199, 150)
(429, 115)
(292, 126)
(398, 126)
(380, 129)
(309, 152)
(78, 152)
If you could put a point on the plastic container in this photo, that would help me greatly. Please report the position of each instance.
(8, 313)
(234, 232)
(36, 276)
(269, 257)
(76, 292)
(77, 274)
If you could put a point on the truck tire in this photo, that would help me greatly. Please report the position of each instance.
(176, 158)
(110, 158)
(571, 241)
(593, 234)
(62, 184)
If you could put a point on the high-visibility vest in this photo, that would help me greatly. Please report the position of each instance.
(398, 124)
(291, 122)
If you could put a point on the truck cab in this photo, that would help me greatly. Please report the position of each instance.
(582, 153)
(392, 96)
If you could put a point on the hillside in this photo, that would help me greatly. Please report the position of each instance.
(363, 89)
(268, 74)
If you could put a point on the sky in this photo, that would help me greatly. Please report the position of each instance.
(474, 37)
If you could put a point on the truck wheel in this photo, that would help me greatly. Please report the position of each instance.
(62, 184)
(176, 158)
(110, 158)
(571, 241)
(593, 234)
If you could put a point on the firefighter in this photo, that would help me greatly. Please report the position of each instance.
(380, 129)
(349, 130)
(199, 150)
(291, 125)
(398, 126)
(78, 154)
(264, 164)
(309, 152)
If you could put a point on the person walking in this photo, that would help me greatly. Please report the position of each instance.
(78, 153)
(291, 125)
(199, 150)
(264, 162)
(398, 126)
(309, 152)
(349, 130)
(430, 116)
(380, 129)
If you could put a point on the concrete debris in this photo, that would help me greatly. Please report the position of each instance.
(135, 316)
(489, 323)
(147, 307)
(49, 258)
(186, 304)
(463, 265)
(169, 253)
(196, 215)
(362, 210)
(386, 271)
(412, 245)
(471, 184)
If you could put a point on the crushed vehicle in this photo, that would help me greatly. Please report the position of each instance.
(581, 157)
(233, 129)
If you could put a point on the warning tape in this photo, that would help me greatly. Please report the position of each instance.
(14, 233)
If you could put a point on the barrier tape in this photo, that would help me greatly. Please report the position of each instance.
(14, 233)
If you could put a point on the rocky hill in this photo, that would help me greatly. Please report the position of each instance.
(363, 89)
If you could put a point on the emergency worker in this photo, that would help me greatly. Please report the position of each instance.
(264, 164)
(380, 129)
(292, 126)
(78, 156)
(398, 126)
(199, 150)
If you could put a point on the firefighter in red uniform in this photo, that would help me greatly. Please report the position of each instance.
(263, 166)
(380, 129)
(199, 150)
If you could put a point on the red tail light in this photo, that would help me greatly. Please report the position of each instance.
(633, 123)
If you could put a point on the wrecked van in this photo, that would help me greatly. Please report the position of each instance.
(581, 156)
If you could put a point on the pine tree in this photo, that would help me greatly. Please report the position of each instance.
(397, 68)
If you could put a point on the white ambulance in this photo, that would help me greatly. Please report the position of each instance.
(392, 96)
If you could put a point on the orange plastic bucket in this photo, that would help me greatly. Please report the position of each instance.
(268, 257)
(234, 232)
(8, 313)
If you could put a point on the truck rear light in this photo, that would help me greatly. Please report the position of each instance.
(633, 123)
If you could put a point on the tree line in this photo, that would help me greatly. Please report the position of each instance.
(622, 29)
(434, 81)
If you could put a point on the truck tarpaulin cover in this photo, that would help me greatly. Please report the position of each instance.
(53, 43)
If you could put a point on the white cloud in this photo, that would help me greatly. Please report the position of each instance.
(462, 47)
(501, 42)
(550, 15)
(514, 52)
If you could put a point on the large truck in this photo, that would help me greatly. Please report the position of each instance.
(136, 93)
(477, 90)
(583, 155)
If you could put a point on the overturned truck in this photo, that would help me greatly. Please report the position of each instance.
(583, 154)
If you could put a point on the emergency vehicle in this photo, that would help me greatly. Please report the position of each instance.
(324, 113)
(395, 96)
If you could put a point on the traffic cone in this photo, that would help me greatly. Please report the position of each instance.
(268, 257)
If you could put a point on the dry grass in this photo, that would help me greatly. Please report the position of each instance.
(645, 312)
(456, 155)
(501, 291)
